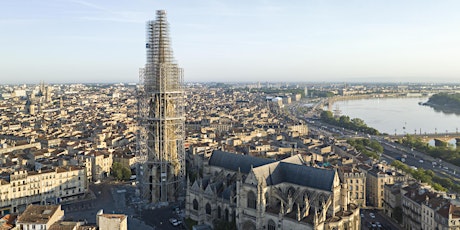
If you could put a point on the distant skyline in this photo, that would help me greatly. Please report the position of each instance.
(89, 41)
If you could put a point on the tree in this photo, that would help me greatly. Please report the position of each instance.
(327, 115)
(120, 172)
(344, 119)
(358, 122)
(126, 173)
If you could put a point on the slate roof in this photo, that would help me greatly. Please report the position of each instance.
(280, 172)
(302, 175)
(290, 170)
(232, 161)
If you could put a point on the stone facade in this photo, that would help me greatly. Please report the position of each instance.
(43, 187)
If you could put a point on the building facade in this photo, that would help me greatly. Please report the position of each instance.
(356, 181)
(44, 187)
(375, 182)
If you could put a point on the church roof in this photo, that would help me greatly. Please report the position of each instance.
(285, 172)
(291, 170)
(232, 161)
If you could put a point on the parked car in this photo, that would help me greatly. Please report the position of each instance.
(174, 221)
(372, 215)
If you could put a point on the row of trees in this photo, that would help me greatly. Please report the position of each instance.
(355, 124)
(425, 176)
(371, 148)
(428, 176)
(444, 151)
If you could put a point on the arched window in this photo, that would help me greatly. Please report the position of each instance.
(195, 204)
(226, 215)
(219, 212)
(208, 209)
(271, 225)
(251, 200)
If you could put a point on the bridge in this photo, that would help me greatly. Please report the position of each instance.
(437, 137)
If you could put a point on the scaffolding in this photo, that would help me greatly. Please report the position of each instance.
(160, 145)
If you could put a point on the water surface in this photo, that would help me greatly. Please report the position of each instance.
(399, 115)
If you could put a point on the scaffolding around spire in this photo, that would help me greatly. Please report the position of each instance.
(161, 118)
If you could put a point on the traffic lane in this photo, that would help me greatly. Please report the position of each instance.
(451, 169)
(410, 160)
(367, 220)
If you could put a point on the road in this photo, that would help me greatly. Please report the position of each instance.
(419, 160)
(394, 151)
(369, 222)
(159, 218)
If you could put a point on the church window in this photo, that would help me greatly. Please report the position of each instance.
(271, 225)
(208, 209)
(195, 204)
(251, 200)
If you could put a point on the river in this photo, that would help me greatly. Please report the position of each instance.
(399, 115)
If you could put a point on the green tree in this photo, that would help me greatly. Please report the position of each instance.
(344, 119)
(358, 122)
(120, 172)
(429, 173)
(438, 187)
(125, 173)
(327, 115)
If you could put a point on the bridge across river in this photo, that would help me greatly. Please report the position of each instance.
(444, 137)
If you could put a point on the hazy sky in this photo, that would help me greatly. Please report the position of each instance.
(62, 41)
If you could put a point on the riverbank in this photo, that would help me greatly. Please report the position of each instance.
(372, 96)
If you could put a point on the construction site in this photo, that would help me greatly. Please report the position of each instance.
(160, 146)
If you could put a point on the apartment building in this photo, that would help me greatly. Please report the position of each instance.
(412, 207)
(112, 221)
(447, 216)
(39, 217)
(392, 199)
(100, 163)
(375, 182)
(43, 187)
(125, 158)
(356, 182)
